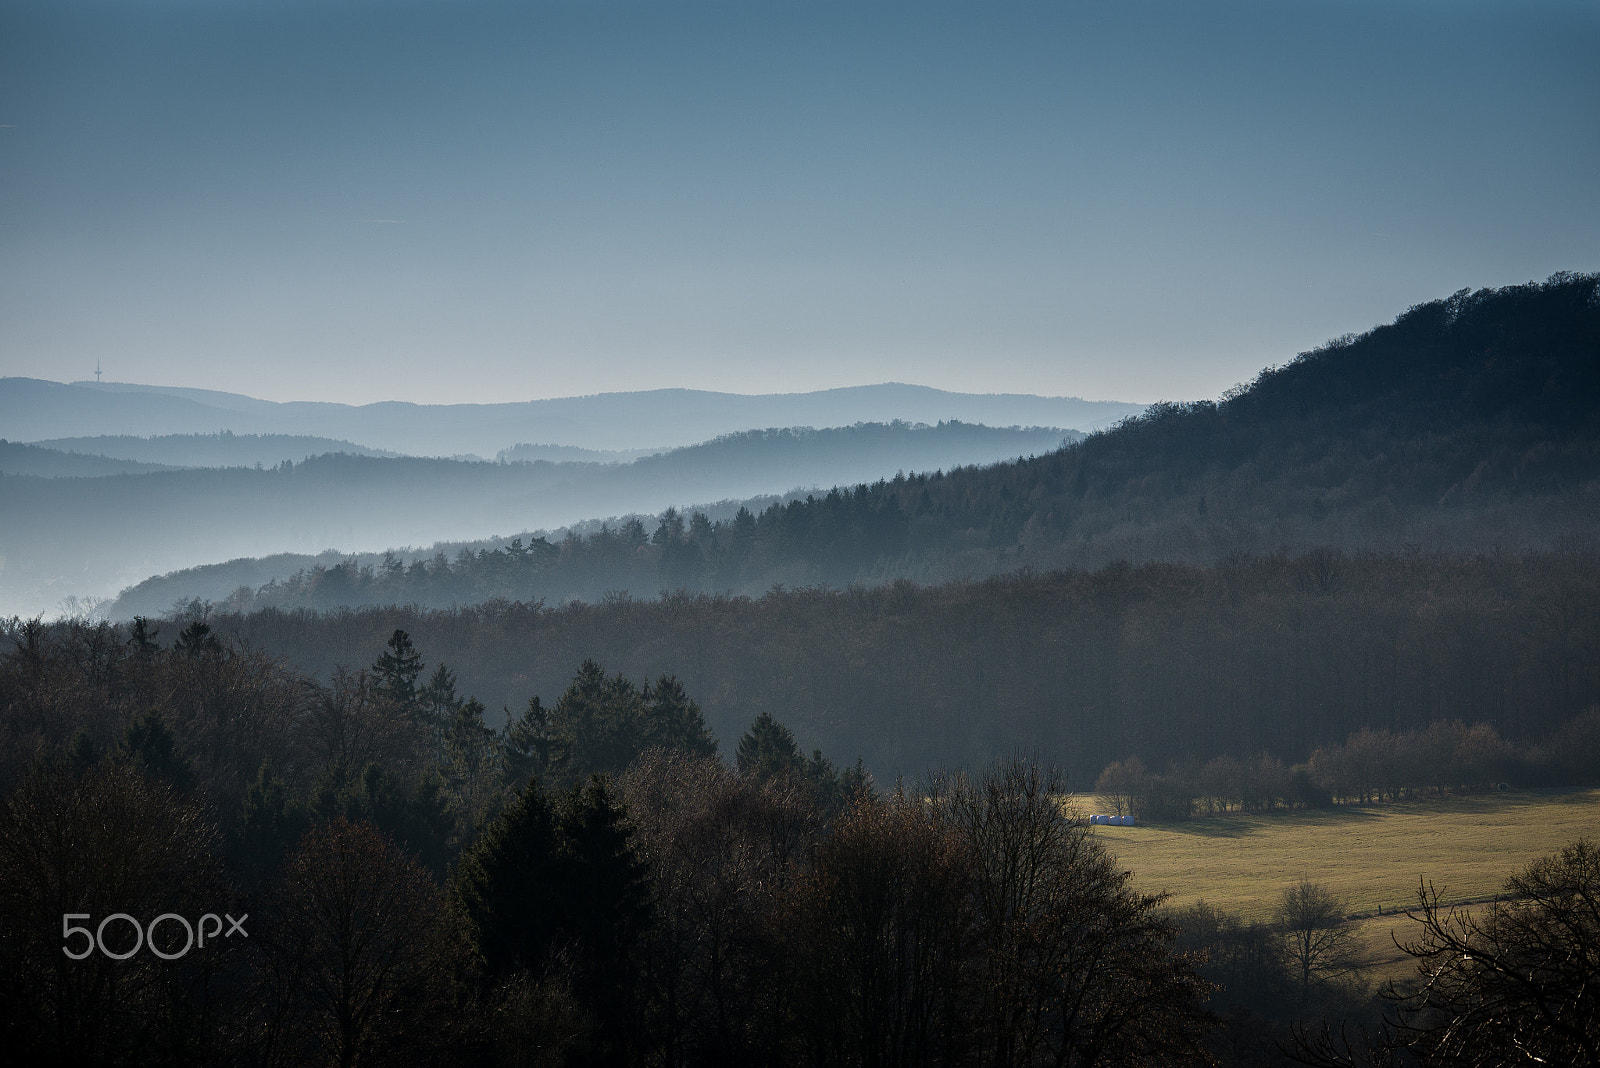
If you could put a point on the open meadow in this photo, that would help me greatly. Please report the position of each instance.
(1372, 856)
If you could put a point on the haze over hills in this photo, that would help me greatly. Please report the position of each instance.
(44, 462)
(32, 409)
(1395, 529)
(92, 537)
(1469, 424)
(222, 449)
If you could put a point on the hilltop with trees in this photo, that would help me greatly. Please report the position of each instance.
(1468, 424)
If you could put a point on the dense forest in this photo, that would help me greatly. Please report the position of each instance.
(41, 461)
(1469, 423)
(497, 825)
(1280, 653)
(419, 884)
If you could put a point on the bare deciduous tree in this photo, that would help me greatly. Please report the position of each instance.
(1316, 940)
(1516, 981)
(94, 843)
(354, 935)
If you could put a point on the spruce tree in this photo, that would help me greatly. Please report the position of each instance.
(768, 751)
(271, 821)
(674, 720)
(151, 747)
(505, 885)
(397, 669)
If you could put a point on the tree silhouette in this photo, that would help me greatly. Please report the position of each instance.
(1311, 920)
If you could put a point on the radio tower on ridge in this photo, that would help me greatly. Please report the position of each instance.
(97, 371)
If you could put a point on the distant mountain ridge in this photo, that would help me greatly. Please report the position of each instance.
(32, 410)
(222, 449)
(55, 540)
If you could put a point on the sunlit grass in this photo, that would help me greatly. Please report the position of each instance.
(1371, 855)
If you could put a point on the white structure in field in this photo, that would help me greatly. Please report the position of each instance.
(1111, 821)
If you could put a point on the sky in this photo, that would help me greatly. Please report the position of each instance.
(355, 200)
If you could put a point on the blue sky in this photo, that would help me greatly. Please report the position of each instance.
(356, 200)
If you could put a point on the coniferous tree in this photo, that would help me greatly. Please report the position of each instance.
(396, 671)
(474, 767)
(438, 703)
(506, 885)
(151, 747)
(142, 637)
(605, 908)
(271, 821)
(197, 640)
(597, 725)
(674, 720)
(526, 745)
(768, 751)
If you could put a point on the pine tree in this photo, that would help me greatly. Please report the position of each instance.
(197, 640)
(151, 747)
(597, 725)
(768, 751)
(397, 669)
(142, 638)
(504, 885)
(472, 753)
(605, 907)
(438, 703)
(674, 721)
(271, 821)
(527, 743)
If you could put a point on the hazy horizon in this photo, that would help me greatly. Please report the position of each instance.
(571, 396)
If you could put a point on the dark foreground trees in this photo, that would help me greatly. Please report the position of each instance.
(1073, 966)
(1516, 981)
(355, 952)
(105, 850)
(969, 924)
(685, 913)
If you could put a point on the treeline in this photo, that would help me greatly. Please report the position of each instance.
(1467, 423)
(1371, 766)
(267, 747)
(1280, 654)
(17, 458)
(410, 883)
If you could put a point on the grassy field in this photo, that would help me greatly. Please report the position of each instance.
(1371, 855)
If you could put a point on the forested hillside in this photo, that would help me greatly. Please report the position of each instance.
(1372, 573)
(1277, 654)
(17, 458)
(1467, 424)
(54, 532)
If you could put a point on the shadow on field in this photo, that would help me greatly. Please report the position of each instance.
(1245, 826)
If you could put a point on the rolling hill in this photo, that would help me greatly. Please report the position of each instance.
(32, 410)
(92, 537)
(222, 449)
(1469, 424)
